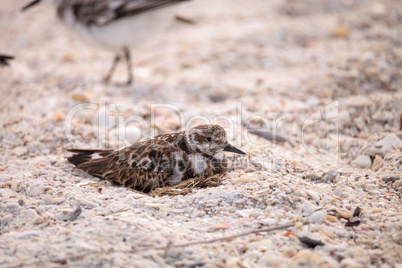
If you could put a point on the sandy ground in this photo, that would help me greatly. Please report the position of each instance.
(327, 74)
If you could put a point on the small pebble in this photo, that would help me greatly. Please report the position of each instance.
(19, 151)
(14, 185)
(331, 176)
(386, 144)
(337, 191)
(37, 190)
(31, 214)
(318, 217)
(378, 162)
(397, 185)
(270, 259)
(362, 161)
(314, 195)
(48, 199)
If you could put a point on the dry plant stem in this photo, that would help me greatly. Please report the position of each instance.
(281, 227)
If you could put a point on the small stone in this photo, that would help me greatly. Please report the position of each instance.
(331, 218)
(299, 225)
(391, 179)
(21, 202)
(79, 97)
(244, 213)
(337, 191)
(290, 253)
(386, 144)
(75, 214)
(19, 151)
(314, 177)
(362, 161)
(14, 185)
(378, 162)
(270, 259)
(47, 199)
(351, 263)
(344, 213)
(341, 31)
(397, 185)
(331, 176)
(314, 195)
(318, 217)
(31, 214)
(37, 190)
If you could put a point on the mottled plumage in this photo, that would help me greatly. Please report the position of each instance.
(163, 160)
(115, 25)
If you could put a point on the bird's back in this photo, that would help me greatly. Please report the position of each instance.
(143, 166)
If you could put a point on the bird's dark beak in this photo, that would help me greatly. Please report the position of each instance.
(229, 148)
(31, 4)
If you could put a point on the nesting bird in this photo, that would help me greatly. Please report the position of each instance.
(160, 161)
(115, 25)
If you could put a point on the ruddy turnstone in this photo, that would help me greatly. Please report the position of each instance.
(160, 161)
(4, 59)
(115, 25)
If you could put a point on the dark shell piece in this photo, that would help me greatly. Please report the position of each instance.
(310, 242)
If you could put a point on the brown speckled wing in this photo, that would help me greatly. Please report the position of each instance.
(142, 166)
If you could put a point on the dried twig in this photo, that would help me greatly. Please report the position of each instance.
(276, 228)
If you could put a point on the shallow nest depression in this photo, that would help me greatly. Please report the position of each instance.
(187, 186)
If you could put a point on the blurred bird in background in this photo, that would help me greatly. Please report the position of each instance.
(115, 25)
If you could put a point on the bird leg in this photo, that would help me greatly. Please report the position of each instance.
(112, 69)
(129, 66)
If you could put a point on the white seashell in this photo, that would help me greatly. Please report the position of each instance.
(19, 151)
(378, 162)
(14, 185)
(48, 199)
(386, 144)
(270, 259)
(362, 161)
(344, 213)
(318, 217)
(37, 190)
(314, 195)
(31, 214)
(320, 190)
(244, 213)
(397, 185)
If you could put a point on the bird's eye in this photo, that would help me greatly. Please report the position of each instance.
(209, 139)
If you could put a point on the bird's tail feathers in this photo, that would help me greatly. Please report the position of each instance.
(81, 156)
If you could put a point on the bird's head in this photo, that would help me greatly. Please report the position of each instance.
(210, 140)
